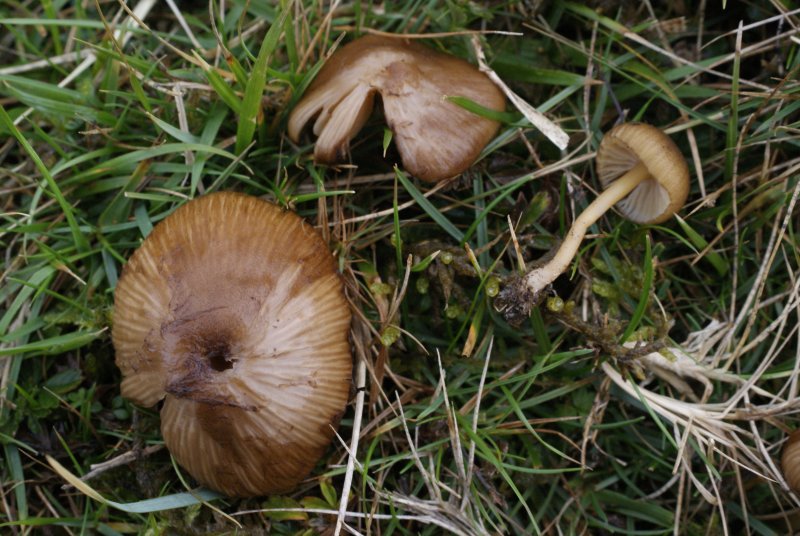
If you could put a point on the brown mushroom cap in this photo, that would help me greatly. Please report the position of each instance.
(436, 138)
(665, 191)
(790, 461)
(232, 312)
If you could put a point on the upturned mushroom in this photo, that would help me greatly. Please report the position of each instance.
(233, 314)
(643, 172)
(436, 139)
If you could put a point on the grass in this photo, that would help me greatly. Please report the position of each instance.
(654, 398)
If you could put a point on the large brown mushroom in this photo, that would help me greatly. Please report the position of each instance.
(233, 314)
(436, 138)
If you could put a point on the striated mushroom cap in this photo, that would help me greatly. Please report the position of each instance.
(233, 313)
(436, 138)
(661, 195)
(790, 461)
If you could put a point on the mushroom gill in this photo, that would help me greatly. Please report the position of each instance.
(436, 138)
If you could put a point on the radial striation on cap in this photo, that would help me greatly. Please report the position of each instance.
(232, 312)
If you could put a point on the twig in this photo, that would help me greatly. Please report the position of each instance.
(475, 414)
(433, 490)
(182, 21)
(49, 62)
(552, 131)
(123, 459)
(361, 378)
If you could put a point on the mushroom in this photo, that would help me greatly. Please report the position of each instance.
(642, 172)
(233, 314)
(790, 461)
(436, 138)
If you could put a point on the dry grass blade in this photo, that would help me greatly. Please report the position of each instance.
(361, 378)
(552, 131)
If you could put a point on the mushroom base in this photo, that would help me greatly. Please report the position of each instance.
(515, 300)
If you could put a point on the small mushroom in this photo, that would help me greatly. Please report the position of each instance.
(233, 314)
(643, 173)
(436, 138)
(790, 461)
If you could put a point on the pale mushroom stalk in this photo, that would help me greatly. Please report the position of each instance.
(538, 279)
(643, 173)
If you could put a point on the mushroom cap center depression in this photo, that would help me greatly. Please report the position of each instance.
(202, 346)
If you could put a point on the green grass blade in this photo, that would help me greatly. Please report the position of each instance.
(732, 134)
(54, 345)
(701, 243)
(167, 502)
(251, 106)
(653, 415)
(17, 475)
(176, 133)
(428, 207)
(644, 298)
(77, 236)
(488, 454)
(221, 87)
(483, 111)
(645, 510)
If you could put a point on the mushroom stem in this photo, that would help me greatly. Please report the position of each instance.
(539, 278)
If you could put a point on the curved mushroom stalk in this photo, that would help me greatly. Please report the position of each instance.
(212, 315)
(436, 139)
(643, 173)
(539, 278)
